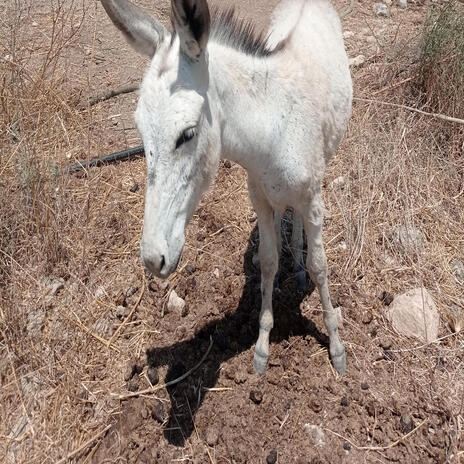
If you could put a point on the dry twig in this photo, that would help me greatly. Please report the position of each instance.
(377, 448)
(172, 382)
(84, 445)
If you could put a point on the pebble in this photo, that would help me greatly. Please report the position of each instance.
(406, 422)
(339, 182)
(158, 412)
(408, 239)
(348, 34)
(153, 375)
(414, 314)
(315, 404)
(385, 343)
(344, 401)
(380, 9)
(133, 384)
(403, 3)
(240, 376)
(367, 317)
(176, 304)
(346, 446)
(357, 60)
(227, 164)
(131, 291)
(256, 396)
(212, 436)
(189, 269)
(364, 386)
(458, 270)
(271, 457)
(134, 188)
(122, 311)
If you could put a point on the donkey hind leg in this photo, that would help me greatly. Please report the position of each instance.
(317, 267)
(268, 257)
(296, 247)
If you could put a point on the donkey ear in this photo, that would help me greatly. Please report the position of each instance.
(192, 22)
(141, 30)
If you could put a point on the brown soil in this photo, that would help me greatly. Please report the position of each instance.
(399, 401)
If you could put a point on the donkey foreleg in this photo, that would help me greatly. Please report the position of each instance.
(317, 267)
(268, 258)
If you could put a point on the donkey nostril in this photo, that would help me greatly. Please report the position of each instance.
(162, 262)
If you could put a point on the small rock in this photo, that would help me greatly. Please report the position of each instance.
(100, 293)
(253, 218)
(315, 404)
(129, 372)
(339, 182)
(406, 422)
(348, 34)
(212, 436)
(201, 236)
(357, 60)
(344, 401)
(458, 270)
(153, 375)
(134, 188)
(54, 286)
(271, 457)
(131, 291)
(216, 273)
(227, 164)
(189, 269)
(240, 376)
(386, 298)
(385, 343)
(256, 396)
(414, 314)
(364, 386)
(408, 239)
(145, 413)
(158, 412)
(122, 312)
(34, 24)
(402, 3)
(380, 9)
(367, 317)
(315, 433)
(133, 384)
(346, 446)
(176, 303)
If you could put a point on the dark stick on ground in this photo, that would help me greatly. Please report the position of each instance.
(125, 155)
(113, 93)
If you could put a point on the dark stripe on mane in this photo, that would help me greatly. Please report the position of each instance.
(228, 29)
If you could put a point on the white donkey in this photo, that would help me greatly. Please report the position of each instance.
(278, 106)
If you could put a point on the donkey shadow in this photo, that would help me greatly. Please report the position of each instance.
(231, 335)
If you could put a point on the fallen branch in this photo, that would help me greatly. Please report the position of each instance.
(378, 448)
(444, 117)
(113, 93)
(84, 445)
(172, 382)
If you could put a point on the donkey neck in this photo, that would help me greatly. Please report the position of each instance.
(249, 106)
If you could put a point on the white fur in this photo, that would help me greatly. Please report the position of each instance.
(281, 117)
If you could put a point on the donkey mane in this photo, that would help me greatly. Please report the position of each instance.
(228, 29)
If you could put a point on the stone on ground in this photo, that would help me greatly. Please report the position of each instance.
(414, 314)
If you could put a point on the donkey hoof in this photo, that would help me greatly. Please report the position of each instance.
(301, 281)
(339, 362)
(260, 363)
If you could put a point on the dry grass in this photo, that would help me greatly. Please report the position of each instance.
(86, 230)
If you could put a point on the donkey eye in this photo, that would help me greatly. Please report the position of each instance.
(187, 135)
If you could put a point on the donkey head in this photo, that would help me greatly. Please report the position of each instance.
(173, 115)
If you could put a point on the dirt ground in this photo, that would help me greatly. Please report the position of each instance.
(67, 357)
